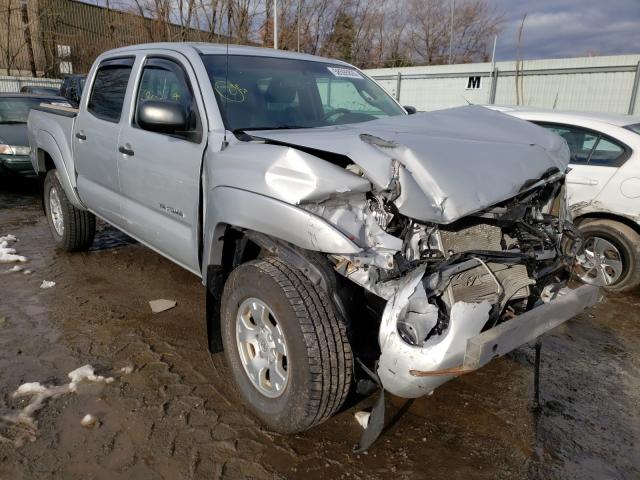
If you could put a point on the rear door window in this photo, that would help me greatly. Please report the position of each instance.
(581, 142)
(605, 153)
(589, 147)
(109, 89)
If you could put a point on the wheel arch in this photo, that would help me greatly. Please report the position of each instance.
(607, 216)
(237, 221)
(48, 157)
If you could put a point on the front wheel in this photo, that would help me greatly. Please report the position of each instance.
(286, 346)
(611, 255)
(72, 229)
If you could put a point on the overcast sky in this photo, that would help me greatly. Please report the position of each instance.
(569, 28)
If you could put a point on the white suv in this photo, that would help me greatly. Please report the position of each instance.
(603, 189)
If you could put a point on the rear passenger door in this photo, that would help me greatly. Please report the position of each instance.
(595, 158)
(159, 172)
(95, 138)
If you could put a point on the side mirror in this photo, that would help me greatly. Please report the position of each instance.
(161, 116)
(410, 110)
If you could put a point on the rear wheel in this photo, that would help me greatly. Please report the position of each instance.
(611, 255)
(72, 229)
(286, 346)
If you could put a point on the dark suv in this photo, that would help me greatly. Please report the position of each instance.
(72, 87)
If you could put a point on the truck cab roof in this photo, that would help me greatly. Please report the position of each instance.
(204, 48)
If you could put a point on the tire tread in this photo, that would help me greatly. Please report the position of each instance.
(330, 359)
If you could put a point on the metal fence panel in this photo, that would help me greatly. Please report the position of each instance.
(14, 84)
(590, 92)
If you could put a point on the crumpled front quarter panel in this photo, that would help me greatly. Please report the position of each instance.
(281, 172)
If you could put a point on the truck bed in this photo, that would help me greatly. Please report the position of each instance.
(57, 109)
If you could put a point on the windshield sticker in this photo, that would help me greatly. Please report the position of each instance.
(344, 72)
(230, 91)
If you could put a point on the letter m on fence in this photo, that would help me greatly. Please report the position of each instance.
(473, 82)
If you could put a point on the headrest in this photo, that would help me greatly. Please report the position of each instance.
(281, 90)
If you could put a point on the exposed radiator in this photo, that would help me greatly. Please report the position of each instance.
(480, 236)
(478, 284)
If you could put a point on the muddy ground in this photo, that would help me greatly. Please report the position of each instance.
(177, 416)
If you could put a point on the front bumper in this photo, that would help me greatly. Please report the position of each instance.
(411, 372)
(17, 165)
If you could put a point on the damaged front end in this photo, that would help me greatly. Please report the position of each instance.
(445, 284)
(464, 229)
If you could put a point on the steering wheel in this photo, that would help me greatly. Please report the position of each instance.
(343, 111)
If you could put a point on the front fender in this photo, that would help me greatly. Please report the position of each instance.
(228, 206)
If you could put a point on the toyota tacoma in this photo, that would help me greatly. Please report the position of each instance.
(335, 234)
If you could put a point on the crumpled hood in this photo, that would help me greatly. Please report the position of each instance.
(455, 162)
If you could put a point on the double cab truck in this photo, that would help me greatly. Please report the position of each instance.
(337, 236)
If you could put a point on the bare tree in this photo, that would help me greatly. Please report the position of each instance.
(476, 24)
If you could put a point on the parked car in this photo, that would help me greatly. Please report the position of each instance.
(603, 189)
(14, 142)
(319, 215)
(38, 90)
(72, 86)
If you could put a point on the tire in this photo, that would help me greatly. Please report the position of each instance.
(626, 240)
(73, 229)
(319, 361)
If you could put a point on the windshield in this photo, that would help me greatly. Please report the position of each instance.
(16, 110)
(269, 93)
(634, 128)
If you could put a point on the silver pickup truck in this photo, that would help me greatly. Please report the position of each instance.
(335, 233)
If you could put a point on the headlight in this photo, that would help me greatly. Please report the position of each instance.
(14, 150)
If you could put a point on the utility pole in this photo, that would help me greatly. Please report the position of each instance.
(275, 24)
(452, 4)
(27, 36)
(298, 22)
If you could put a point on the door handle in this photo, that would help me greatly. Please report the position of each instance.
(81, 136)
(125, 150)
(582, 181)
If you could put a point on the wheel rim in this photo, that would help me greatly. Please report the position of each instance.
(262, 347)
(55, 210)
(600, 263)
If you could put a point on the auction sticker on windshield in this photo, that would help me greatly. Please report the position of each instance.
(344, 72)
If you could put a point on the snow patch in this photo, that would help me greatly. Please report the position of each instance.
(47, 284)
(25, 418)
(362, 418)
(15, 268)
(89, 421)
(85, 372)
(31, 388)
(8, 255)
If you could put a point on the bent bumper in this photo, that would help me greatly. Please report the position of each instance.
(411, 372)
